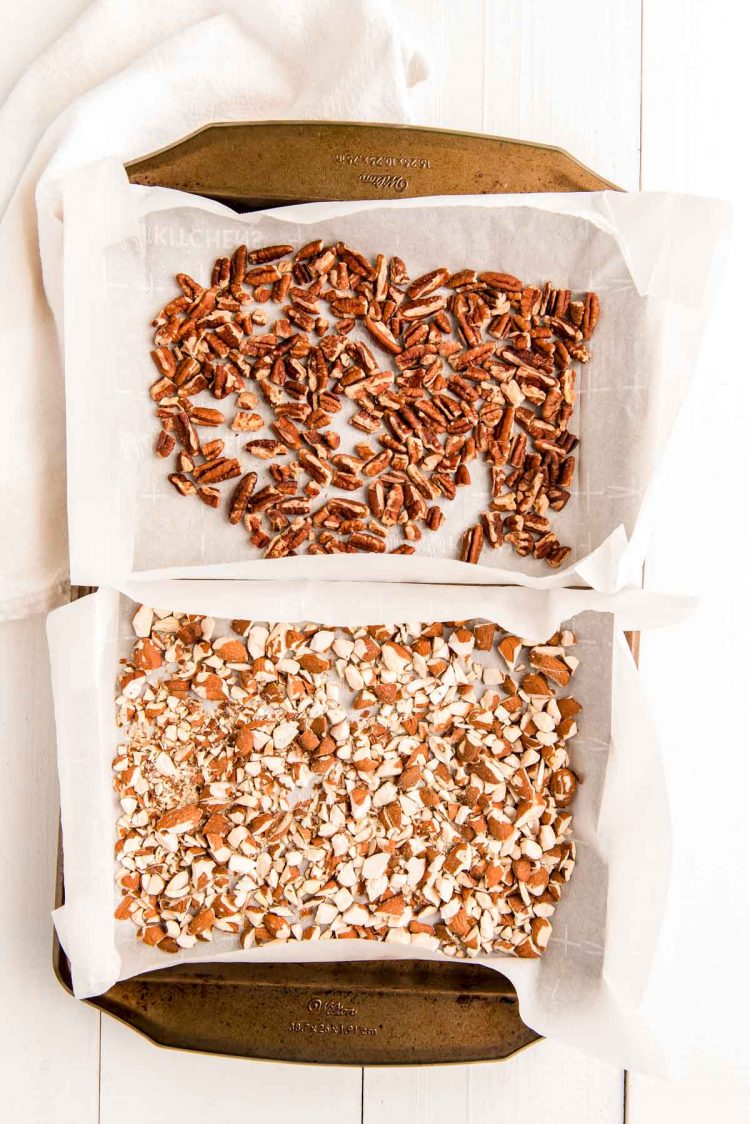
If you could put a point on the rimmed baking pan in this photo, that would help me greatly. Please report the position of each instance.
(363, 1013)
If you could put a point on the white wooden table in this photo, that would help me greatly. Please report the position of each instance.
(601, 80)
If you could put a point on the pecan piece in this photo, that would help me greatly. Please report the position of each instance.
(163, 388)
(369, 543)
(266, 448)
(434, 518)
(245, 422)
(164, 361)
(210, 496)
(493, 527)
(504, 281)
(420, 309)
(427, 283)
(240, 496)
(205, 416)
(268, 253)
(472, 543)
(321, 472)
(590, 315)
(215, 471)
(183, 485)
(164, 443)
(288, 541)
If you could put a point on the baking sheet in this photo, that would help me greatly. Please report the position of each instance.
(652, 259)
(586, 989)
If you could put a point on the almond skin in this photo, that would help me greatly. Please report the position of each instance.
(146, 655)
(233, 651)
(180, 819)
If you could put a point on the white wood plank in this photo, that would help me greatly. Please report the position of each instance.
(695, 81)
(710, 1092)
(568, 75)
(141, 1082)
(49, 1044)
(561, 74)
(695, 86)
(544, 1082)
(451, 37)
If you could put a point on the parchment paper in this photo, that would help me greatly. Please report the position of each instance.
(652, 259)
(587, 987)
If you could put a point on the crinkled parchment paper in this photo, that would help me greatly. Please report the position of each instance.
(586, 988)
(650, 257)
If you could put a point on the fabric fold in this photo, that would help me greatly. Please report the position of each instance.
(124, 81)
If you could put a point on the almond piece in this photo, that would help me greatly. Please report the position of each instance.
(146, 655)
(181, 819)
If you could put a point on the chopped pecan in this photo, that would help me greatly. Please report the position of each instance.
(265, 448)
(241, 495)
(213, 472)
(482, 368)
(164, 443)
(184, 486)
(268, 253)
(472, 543)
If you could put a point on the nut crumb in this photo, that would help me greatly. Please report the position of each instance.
(288, 782)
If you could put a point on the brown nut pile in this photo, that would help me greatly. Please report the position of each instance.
(472, 367)
(298, 782)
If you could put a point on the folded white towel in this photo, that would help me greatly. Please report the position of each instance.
(132, 76)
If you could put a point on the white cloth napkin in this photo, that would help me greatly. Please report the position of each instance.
(132, 76)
